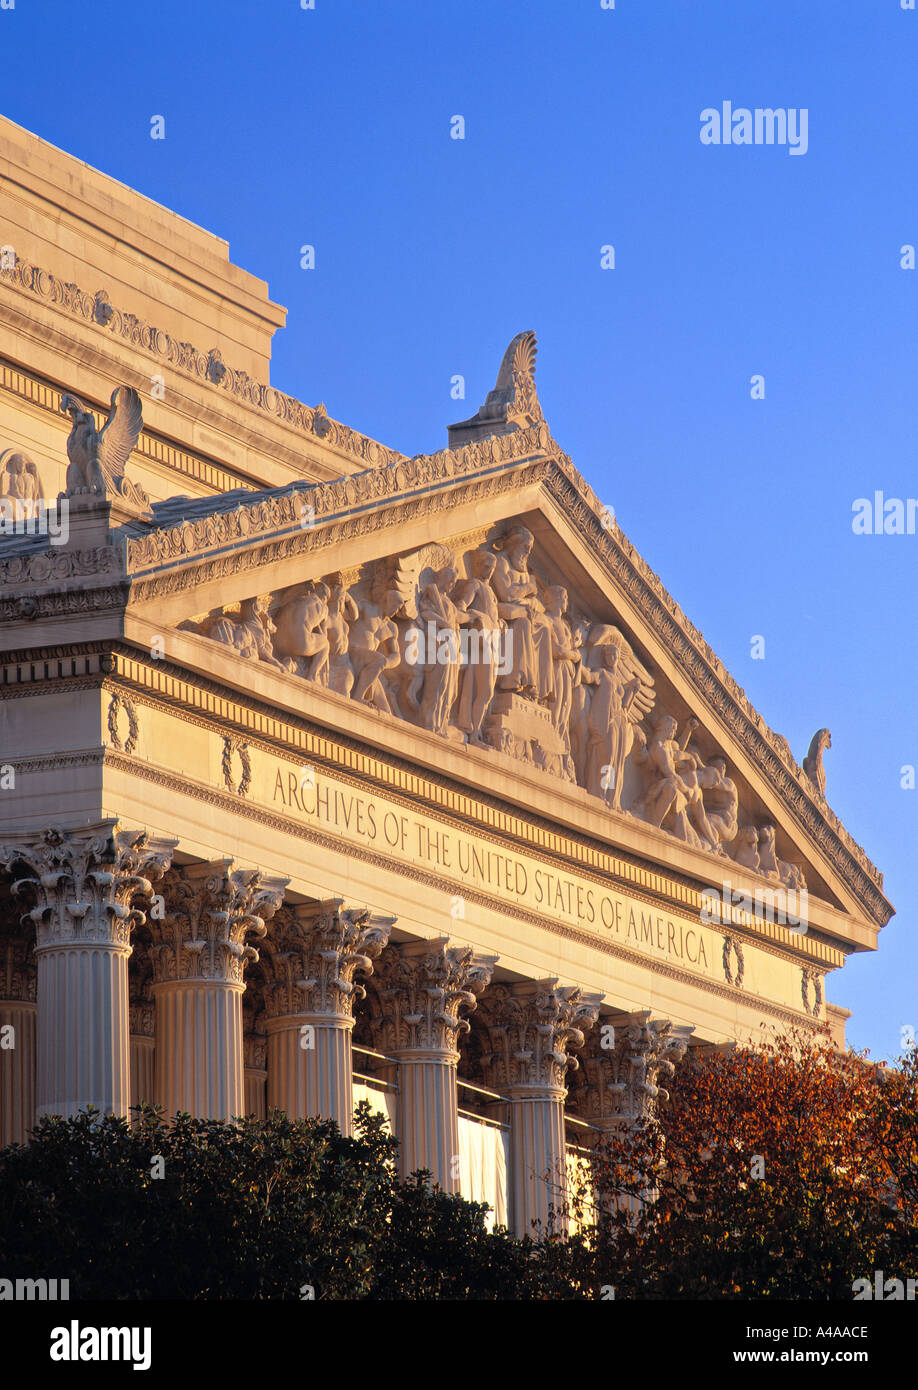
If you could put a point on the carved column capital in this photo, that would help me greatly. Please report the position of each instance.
(140, 995)
(532, 1029)
(254, 1038)
(84, 881)
(315, 952)
(18, 975)
(210, 911)
(422, 987)
(623, 1079)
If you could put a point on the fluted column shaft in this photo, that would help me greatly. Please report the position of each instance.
(538, 1169)
(17, 1071)
(533, 1028)
(310, 1072)
(84, 885)
(310, 963)
(421, 988)
(83, 1051)
(142, 1069)
(198, 1064)
(625, 1066)
(199, 954)
(428, 1115)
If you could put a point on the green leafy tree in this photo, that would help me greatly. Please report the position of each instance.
(251, 1210)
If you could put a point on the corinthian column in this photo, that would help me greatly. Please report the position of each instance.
(421, 988)
(84, 884)
(624, 1065)
(199, 955)
(532, 1027)
(310, 963)
(17, 1039)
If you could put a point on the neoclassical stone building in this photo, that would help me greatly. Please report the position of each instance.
(329, 773)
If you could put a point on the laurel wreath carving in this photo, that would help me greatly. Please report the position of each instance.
(116, 704)
(231, 746)
(811, 977)
(733, 948)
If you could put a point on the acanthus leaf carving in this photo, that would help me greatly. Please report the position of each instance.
(85, 883)
(315, 953)
(624, 1082)
(211, 911)
(422, 992)
(534, 1031)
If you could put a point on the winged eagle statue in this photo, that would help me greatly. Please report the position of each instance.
(98, 457)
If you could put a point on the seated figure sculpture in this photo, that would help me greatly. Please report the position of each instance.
(675, 796)
(721, 800)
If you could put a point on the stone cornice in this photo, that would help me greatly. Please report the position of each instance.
(259, 532)
(205, 367)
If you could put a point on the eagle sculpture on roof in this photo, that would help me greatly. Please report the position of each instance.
(98, 457)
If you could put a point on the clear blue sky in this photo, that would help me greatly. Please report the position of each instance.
(331, 127)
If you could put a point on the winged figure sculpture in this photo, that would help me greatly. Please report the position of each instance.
(98, 457)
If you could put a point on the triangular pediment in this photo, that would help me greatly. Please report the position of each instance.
(348, 591)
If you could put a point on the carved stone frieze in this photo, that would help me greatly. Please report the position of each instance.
(48, 566)
(475, 644)
(184, 357)
(684, 641)
(18, 976)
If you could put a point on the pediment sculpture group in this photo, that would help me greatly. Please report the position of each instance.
(487, 653)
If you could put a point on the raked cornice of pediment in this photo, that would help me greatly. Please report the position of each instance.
(194, 557)
(243, 543)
